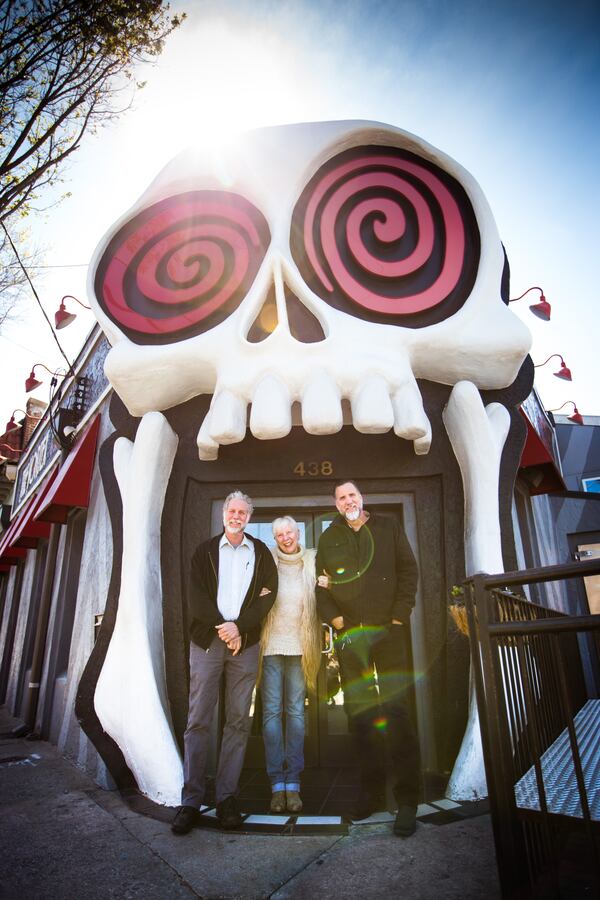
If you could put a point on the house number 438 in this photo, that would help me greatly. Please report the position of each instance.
(324, 467)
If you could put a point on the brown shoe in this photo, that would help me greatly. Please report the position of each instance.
(293, 801)
(278, 802)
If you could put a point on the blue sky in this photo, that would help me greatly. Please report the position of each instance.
(510, 90)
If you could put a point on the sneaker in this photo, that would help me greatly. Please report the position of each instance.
(187, 817)
(406, 821)
(278, 802)
(228, 815)
(293, 801)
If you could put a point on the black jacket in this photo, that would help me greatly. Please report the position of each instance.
(373, 573)
(202, 595)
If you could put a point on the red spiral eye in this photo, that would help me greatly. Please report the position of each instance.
(386, 235)
(181, 266)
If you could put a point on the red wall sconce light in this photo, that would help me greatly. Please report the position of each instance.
(575, 417)
(62, 317)
(541, 309)
(32, 382)
(11, 425)
(564, 372)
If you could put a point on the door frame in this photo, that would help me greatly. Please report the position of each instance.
(405, 499)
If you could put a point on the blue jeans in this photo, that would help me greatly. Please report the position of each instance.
(282, 687)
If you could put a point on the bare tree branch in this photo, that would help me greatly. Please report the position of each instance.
(63, 65)
(12, 277)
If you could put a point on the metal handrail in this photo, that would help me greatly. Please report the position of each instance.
(527, 693)
(546, 626)
(539, 575)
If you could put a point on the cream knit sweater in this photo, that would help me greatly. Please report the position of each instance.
(286, 622)
(292, 627)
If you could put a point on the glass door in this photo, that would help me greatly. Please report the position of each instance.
(327, 740)
(311, 523)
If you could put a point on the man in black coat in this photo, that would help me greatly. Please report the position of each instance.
(233, 584)
(372, 581)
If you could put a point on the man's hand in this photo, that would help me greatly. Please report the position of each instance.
(235, 645)
(228, 631)
(264, 591)
(338, 623)
(323, 580)
(397, 622)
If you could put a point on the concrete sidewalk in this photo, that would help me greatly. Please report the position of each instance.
(64, 838)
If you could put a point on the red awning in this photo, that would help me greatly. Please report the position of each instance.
(538, 465)
(10, 556)
(72, 486)
(22, 533)
(29, 531)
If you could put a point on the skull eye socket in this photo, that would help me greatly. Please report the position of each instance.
(181, 266)
(386, 236)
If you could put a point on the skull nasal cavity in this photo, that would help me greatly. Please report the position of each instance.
(303, 325)
(266, 320)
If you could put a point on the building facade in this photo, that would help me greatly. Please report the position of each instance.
(329, 303)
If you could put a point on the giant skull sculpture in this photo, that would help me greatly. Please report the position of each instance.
(313, 263)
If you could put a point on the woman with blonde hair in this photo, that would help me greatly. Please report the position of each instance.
(291, 654)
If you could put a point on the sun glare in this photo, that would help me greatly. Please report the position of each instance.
(218, 81)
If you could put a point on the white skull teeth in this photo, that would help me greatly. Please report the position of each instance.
(227, 423)
(271, 414)
(372, 411)
(322, 406)
(208, 449)
(421, 445)
(375, 408)
(410, 421)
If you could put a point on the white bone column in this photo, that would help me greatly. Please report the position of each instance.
(477, 435)
(131, 695)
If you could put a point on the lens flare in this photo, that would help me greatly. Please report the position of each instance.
(341, 574)
(380, 723)
(372, 690)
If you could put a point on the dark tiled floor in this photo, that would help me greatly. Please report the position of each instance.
(325, 792)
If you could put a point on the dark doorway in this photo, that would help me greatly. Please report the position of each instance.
(328, 743)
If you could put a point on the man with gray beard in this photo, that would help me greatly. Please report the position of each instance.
(233, 584)
(372, 581)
